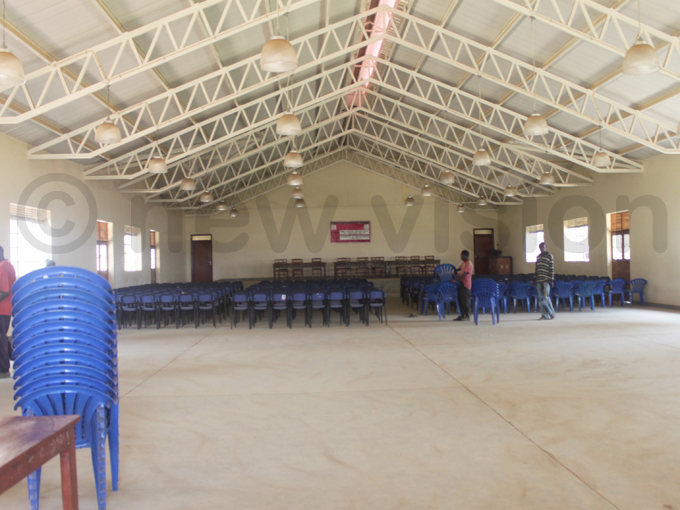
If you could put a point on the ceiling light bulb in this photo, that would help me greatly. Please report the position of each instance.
(547, 179)
(510, 191)
(157, 166)
(641, 58)
(222, 206)
(11, 70)
(409, 202)
(187, 185)
(206, 197)
(461, 209)
(288, 125)
(536, 125)
(294, 179)
(447, 178)
(292, 160)
(278, 56)
(233, 213)
(107, 133)
(481, 158)
(300, 203)
(481, 202)
(297, 193)
(426, 191)
(601, 159)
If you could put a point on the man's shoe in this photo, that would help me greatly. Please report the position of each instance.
(4, 375)
(459, 318)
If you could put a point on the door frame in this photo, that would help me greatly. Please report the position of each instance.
(201, 238)
(482, 232)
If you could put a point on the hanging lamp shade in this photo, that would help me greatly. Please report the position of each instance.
(300, 203)
(536, 125)
(288, 125)
(206, 197)
(409, 202)
(278, 56)
(426, 191)
(446, 178)
(601, 159)
(157, 166)
(481, 202)
(107, 133)
(233, 213)
(547, 179)
(292, 160)
(11, 70)
(510, 191)
(294, 179)
(461, 209)
(222, 206)
(481, 158)
(641, 58)
(187, 185)
(297, 193)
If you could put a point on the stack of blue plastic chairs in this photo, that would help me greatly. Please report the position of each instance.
(65, 361)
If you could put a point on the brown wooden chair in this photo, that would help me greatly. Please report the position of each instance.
(428, 258)
(416, 271)
(298, 270)
(403, 269)
(362, 267)
(342, 267)
(378, 267)
(317, 268)
(280, 269)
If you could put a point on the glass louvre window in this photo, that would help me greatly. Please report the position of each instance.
(153, 242)
(534, 236)
(131, 249)
(30, 241)
(576, 247)
(102, 249)
(620, 225)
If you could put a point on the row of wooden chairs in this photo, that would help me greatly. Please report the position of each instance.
(297, 269)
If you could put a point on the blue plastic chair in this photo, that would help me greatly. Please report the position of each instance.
(336, 301)
(562, 291)
(317, 301)
(485, 299)
(520, 291)
(147, 306)
(61, 338)
(585, 290)
(356, 300)
(167, 306)
(637, 286)
(444, 273)
(259, 304)
(428, 295)
(600, 290)
(279, 303)
(377, 303)
(60, 305)
(617, 287)
(240, 302)
(61, 272)
(446, 293)
(76, 295)
(207, 303)
(64, 317)
(62, 328)
(488, 285)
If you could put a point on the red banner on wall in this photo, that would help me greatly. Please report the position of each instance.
(350, 231)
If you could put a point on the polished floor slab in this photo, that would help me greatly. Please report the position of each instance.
(575, 413)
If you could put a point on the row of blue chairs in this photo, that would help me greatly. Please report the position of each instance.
(274, 299)
(66, 361)
(178, 303)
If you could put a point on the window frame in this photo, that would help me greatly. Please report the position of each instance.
(539, 232)
(580, 238)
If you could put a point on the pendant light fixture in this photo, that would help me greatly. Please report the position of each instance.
(641, 58)
(278, 55)
(206, 197)
(547, 179)
(409, 202)
(482, 202)
(300, 203)
(222, 206)
(11, 70)
(297, 193)
(601, 159)
(107, 133)
(461, 209)
(426, 191)
(187, 184)
(288, 125)
(157, 165)
(233, 213)
(447, 178)
(510, 191)
(482, 156)
(293, 160)
(535, 125)
(294, 179)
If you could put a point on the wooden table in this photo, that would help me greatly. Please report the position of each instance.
(26, 443)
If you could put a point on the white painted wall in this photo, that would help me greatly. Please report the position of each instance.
(61, 187)
(655, 249)
(242, 248)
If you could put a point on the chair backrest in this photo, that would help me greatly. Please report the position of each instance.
(484, 298)
(585, 289)
(563, 289)
(68, 294)
(59, 272)
(485, 284)
(62, 328)
(61, 316)
(444, 272)
(618, 284)
(447, 291)
(637, 284)
(519, 290)
(186, 298)
(60, 338)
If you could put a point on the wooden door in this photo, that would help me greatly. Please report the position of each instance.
(482, 250)
(620, 238)
(201, 259)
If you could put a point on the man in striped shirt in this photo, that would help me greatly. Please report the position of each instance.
(545, 276)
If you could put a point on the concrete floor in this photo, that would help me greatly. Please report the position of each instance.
(576, 413)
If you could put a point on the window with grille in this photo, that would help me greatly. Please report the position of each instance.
(620, 225)
(576, 246)
(533, 237)
(102, 249)
(30, 239)
(153, 253)
(132, 260)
